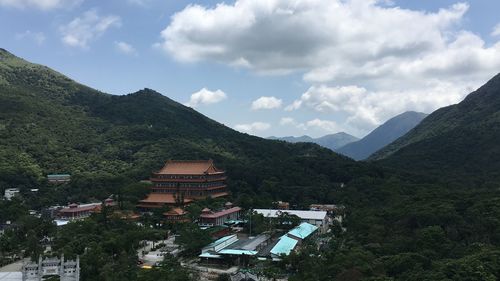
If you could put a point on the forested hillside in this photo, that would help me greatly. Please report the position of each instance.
(51, 124)
(459, 141)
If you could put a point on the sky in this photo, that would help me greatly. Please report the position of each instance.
(268, 67)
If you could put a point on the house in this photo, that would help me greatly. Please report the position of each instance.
(180, 182)
(318, 218)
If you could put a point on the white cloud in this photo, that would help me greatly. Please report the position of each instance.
(400, 59)
(287, 121)
(366, 109)
(125, 48)
(40, 4)
(325, 126)
(266, 103)
(206, 97)
(253, 127)
(301, 35)
(496, 30)
(86, 28)
(37, 37)
(142, 3)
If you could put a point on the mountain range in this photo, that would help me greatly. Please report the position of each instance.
(382, 135)
(52, 124)
(332, 141)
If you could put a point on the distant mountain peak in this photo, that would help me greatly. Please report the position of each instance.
(331, 141)
(383, 135)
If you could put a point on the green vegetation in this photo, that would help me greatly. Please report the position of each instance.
(437, 219)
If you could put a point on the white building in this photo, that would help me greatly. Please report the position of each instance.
(10, 193)
(317, 218)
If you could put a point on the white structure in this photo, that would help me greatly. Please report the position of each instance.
(317, 218)
(10, 193)
(67, 270)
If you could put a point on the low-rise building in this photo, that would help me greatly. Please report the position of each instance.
(291, 240)
(75, 211)
(234, 249)
(11, 193)
(317, 218)
(211, 218)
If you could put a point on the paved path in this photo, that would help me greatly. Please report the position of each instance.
(13, 267)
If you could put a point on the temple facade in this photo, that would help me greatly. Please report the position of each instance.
(181, 182)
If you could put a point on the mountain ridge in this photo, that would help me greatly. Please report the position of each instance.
(52, 124)
(331, 141)
(383, 135)
(457, 139)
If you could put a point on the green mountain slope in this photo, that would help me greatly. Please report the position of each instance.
(459, 140)
(382, 135)
(331, 141)
(51, 124)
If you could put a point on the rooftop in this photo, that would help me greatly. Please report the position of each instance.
(303, 230)
(162, 198)
(309, 215)
(220, 213)
(189, 167)
(284, 246)
(74, 208)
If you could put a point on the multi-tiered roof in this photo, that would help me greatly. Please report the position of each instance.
(182, 181)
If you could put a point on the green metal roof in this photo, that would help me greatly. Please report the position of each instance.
(284, 246)
(303, 230)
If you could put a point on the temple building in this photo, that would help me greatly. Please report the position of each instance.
(181, 182)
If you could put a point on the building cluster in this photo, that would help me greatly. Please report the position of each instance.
(240, 249)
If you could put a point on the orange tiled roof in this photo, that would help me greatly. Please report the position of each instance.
(175, 212)
(189, 167)
(165, 198)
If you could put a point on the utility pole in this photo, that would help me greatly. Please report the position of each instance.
(251, 212)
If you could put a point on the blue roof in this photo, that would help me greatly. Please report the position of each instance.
(303, 230)
(237, 252)
(220, 240)
(210, 256)
(284, 246)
